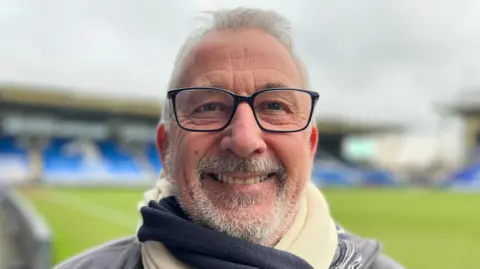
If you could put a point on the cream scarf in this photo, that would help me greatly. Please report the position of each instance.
(312, 226)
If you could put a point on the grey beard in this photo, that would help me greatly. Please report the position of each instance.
(233, 221)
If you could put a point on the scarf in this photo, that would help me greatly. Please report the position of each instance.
(171, 241)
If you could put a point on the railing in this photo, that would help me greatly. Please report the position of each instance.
(29, 242)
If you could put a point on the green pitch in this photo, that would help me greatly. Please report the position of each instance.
(421, 229)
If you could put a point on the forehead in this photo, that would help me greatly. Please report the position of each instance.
(246, 58)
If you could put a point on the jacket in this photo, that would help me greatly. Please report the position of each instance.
(125, 253)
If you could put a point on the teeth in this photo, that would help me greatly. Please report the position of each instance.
(238, 181)
(250, 181)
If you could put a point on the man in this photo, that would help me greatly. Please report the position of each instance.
(238, 142)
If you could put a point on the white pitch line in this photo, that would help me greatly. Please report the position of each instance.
(95, 209)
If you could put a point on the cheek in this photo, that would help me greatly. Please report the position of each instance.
(190, 149)
(184, 165)
(294, 152)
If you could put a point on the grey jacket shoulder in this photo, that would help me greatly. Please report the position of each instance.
(125, 254)
(382, 261)
(119, 254)
(371, 251)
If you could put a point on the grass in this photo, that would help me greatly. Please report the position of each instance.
(419, 228)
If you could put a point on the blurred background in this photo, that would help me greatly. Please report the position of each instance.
(82, 84)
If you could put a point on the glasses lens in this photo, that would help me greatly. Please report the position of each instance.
(203, 109)
(283, 110)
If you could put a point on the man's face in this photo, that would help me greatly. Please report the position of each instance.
(278, 164)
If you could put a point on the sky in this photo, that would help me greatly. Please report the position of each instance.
(371, 60)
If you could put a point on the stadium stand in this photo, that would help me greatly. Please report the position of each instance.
(467, 178)
(14, 160)
(153, 158)
(86, 139)
(466, 106)
(58, 137)
(115, 159)
(57, 159)
(379, 177)
(332, 171)
(73, 160)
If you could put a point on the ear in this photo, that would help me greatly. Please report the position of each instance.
(162, 142)
(313, 141)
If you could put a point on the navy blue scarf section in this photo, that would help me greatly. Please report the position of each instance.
(203, 248)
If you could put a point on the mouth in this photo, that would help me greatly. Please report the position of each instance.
(237, 180)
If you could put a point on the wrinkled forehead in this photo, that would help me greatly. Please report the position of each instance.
(241, 61)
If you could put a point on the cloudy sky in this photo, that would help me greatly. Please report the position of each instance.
(382, 60)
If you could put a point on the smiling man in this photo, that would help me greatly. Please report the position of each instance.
(237, 141)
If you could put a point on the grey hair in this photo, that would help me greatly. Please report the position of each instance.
(233, 19)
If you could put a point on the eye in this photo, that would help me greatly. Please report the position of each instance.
(209, 107)
(273, 106)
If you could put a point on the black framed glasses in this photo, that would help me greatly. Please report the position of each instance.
(279, 110)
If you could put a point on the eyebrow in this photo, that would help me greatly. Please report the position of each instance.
(268, 85)
(271, 85)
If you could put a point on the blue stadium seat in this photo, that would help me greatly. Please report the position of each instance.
(14, 160)
(57, 160)
(468, 177)
(118, 161)
(9, 145)
(334, 177)
(329, 170)
(69, 160)
(153, 157)
(379, 177)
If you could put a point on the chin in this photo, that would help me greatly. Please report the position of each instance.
(258, 213)
(251, 225)
(256, 222)
(262, 212)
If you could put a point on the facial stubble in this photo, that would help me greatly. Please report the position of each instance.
(234, 216)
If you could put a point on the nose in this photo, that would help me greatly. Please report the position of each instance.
(244, 136)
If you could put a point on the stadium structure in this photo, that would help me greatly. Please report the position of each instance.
(57, 136)
(466, 106)
(60, 137)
